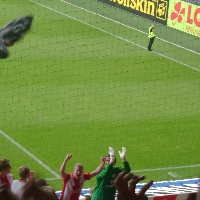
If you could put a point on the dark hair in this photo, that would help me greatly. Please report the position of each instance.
(191, 196)
(4, 164)
(41, 182)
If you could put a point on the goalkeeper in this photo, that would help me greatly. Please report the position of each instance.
(105, 189)
(13, 32)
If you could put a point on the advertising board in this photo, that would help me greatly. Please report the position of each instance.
(184, 17)
(155, 10)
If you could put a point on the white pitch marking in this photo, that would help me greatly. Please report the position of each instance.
(30, 154)
(116, 36)
(166, 168)
(175, 175)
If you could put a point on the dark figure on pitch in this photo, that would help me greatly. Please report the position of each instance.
(151, 36)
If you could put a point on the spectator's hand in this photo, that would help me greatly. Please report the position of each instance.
(112, 154)
(103, 160)
(123, 154)
(68, 156)
(127, 192)
(32, 175)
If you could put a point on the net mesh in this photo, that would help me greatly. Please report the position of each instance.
(82, 80)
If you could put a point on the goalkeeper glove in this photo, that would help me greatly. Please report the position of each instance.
(123, 154)
(112, 154)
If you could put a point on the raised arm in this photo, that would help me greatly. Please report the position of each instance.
(62, 168)
(98, 169)
(109, 161)
(123, 158)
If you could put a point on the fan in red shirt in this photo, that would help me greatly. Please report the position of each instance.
(5, 176)
(73, 183)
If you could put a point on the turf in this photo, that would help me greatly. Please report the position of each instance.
(79, 83)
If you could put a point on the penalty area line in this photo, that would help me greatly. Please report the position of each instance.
(30, 154)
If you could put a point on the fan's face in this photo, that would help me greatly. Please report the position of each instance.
(78, 172)
(107, 160)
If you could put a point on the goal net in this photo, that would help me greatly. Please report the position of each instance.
(82, 80)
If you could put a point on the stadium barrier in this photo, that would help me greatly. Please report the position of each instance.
(171, 190)
(165, 190)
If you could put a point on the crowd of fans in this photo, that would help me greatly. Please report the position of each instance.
(109, 179)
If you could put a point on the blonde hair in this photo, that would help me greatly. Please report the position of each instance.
(79, 165)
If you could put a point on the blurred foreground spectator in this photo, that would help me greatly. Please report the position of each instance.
(5, 193)
(33, 192)
(41, 183)
(127, 191)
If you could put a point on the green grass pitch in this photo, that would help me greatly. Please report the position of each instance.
(79, 83)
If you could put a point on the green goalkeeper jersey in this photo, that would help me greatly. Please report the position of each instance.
(105, 189)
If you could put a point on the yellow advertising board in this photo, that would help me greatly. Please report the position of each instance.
(155, 10)
(184, 17)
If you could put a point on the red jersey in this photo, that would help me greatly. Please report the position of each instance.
(72, 187)
(7, 180)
